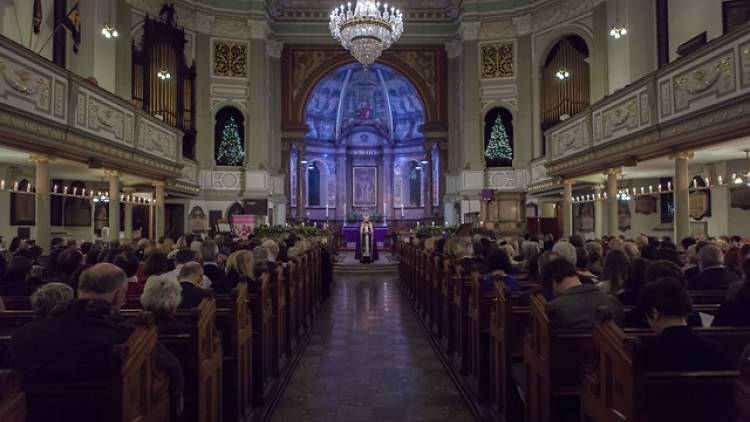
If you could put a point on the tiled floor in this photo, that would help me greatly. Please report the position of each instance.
(369, 360)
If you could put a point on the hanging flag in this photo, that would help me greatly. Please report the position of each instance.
(73, 23)
(37, 20)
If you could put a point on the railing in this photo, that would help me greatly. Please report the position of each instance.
(31, 86)
(690, 87)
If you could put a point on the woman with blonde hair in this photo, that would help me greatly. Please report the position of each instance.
(240, 267)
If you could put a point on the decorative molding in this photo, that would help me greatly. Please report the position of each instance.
(258, 29)
(470, 30)
(221, 179)
(229, 59)
(497, 60)
(497, 29)
(506, 178)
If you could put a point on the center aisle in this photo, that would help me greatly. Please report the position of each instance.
(369, 360)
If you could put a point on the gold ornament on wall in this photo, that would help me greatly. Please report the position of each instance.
(230, 59)
(497, 61)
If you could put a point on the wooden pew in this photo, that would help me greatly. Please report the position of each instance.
(508, 325)
(12, 399)
(292, 327)
(553, 361)
(460, 322)
(478, 339)
(261, 310)
(619, 389)
(17, 303)
(135, 390)
(234, 322)
(742, 393)
(447, 310)
(278, 321)
(197, 345)
(707, 296)
(435, 293)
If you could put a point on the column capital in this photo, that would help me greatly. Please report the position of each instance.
(39, 158)
(598, 188)
(274, 48)
(111, 173)
(683, 155)
(453, 49)
(570, 182)
(613, 170)
(157, 183)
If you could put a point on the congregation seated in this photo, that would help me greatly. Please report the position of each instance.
(736, 310)
(162, 296)
(211, 267)
(260, 257)
(675, 347)
(182, 257)
(190, 278)
(18, 280)
(713, 275)
(634, 282)
(499, 268)
(272, 248)
(595, 253)
(128, 262)
(615, 272)
(240, 267)
(575, 303)
(45, 298)
(582, 265)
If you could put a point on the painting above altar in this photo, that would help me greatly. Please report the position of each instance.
(364, 187)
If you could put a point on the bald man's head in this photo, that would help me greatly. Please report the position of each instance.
(104, 282)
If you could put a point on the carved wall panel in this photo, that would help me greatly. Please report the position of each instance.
(229, 59)
(619, 118)
(157, 141)
(221, 180)
(497, 60)
(506, 179)
(32, 88)
(189, 172)
(570, 139)
(745, 65)
(103, 117)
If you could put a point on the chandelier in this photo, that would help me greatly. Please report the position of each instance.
(367, 30)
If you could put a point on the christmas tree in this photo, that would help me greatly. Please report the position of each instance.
(231, 152)
(498, 150)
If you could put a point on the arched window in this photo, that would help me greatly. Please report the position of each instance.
(498, 137)
(415, 183)
(229, 137)
(565, 81)
(314, 184)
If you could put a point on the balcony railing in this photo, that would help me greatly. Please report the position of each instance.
(77, 115)
(660, 111)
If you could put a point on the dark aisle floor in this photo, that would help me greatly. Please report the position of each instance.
(369, 360)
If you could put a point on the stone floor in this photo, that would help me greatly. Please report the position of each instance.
(369, 360)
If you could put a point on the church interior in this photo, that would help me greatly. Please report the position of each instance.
(430, 210)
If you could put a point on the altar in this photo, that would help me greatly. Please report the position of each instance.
(351, 233)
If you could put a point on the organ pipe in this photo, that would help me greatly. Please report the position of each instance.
(567, 96)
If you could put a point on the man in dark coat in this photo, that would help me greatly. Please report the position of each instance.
(713, 275)
(190, 278)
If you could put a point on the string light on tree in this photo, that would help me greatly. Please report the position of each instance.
(499, 149)
(231, 152)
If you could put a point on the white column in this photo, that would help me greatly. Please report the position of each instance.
(598, 212)
(681, 195)
(568, 207)
(257, 141)
(612, 216)
(114, 203)
(158, 208)
(472, 139)
(42, 201)
(128, 224)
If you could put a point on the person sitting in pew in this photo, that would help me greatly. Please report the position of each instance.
(675, 347)
(575, 303)
(499, 267)
(191, 276)
(736, 311)
(162, 297)
(211, 267)
(127, 261)
(45, 298)
(73, 343)
(182, 257)
(18, 280)
(713, 275)
(240, 268)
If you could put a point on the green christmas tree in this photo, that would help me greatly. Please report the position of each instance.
(231, 152)
(498, 149)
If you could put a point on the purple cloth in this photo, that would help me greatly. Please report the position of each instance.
(358, 250)
(351, 233)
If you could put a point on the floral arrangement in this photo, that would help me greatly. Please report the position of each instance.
(264, 230)
(430, 231)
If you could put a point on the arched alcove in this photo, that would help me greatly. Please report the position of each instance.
(229, 137)
(317, 184)
(566, 85)
(498, 137)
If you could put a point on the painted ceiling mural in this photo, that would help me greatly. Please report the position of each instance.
(361, 107)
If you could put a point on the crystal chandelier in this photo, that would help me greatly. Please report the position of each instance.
(367, 30)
